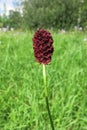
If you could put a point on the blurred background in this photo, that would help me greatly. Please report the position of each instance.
(50, 14)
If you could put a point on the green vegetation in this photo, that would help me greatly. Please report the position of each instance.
(22, 103)
(56, 14)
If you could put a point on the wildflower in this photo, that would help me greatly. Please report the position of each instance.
(42, 45)
(12, 29)
(80, 28)
(85, 39)
(43, 50)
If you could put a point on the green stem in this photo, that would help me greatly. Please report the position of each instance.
(46, 97)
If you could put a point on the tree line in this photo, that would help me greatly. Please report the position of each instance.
(57, 14)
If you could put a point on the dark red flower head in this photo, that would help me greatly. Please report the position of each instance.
(42, 45)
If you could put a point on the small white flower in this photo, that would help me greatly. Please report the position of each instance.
(12, 29)
(85, 39)
(80, 28)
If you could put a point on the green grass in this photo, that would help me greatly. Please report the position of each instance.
(22, 102)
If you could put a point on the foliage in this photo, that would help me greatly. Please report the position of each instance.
(51, 14)
(57, 14)
(15, 19)
(22, 106)
(1, 24)
(84, 14)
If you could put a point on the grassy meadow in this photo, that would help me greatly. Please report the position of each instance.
(22, 101)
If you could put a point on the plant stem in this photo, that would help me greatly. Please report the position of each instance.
(46, 97)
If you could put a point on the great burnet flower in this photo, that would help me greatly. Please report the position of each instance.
(43, 46)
